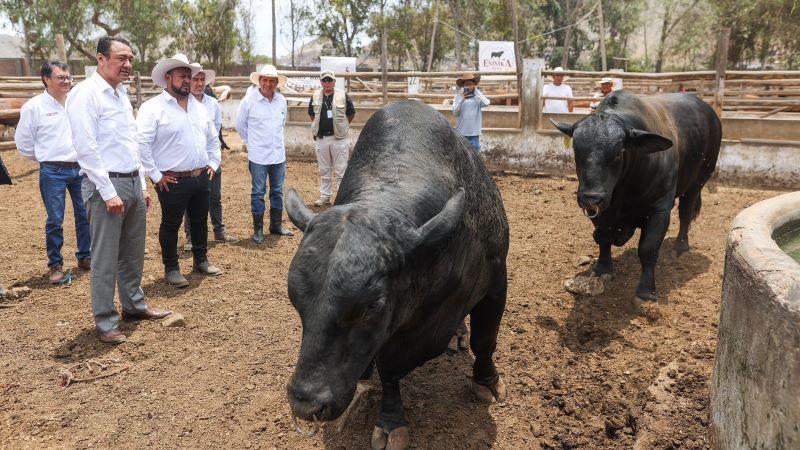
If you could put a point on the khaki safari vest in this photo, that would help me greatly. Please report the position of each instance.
(339, 107)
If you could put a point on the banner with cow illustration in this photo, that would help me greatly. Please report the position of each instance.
(496, 56)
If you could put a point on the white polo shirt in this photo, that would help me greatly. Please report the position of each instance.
(43, 132)
(556, 106)
(260, 124)
(171, 139)
(103, 130)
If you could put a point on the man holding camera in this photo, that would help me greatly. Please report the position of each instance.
(467, 107)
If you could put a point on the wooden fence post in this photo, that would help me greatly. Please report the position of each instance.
(137, 80)
(722, 62)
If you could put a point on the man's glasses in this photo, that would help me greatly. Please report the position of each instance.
(63, 78)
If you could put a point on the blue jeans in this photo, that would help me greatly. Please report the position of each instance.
(258, 175)
(475, 141)
(54, 182)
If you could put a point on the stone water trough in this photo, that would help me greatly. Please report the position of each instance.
(755, 392)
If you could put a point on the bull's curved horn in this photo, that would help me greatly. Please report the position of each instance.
(298, 212)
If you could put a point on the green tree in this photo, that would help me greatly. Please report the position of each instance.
(208, 31)
(342, 21)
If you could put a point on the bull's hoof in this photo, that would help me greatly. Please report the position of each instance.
(463, 342)
(488, 394)
(681, 247)
(453, 344)
(396, 439)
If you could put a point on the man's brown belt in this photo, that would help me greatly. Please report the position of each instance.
(186, 174)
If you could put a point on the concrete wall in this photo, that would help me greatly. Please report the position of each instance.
(755, 392)
(754, 161)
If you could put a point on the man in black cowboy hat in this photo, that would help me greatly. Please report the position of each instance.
(467, 107)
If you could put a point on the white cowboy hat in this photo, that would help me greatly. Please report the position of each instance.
(167, 64)
(559, 69)
(605, 80)
(210, 74)
(269, 71)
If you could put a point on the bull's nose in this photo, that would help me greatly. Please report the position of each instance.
(304, 403)
(589, 199)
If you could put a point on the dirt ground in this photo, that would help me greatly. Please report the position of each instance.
(581, 372)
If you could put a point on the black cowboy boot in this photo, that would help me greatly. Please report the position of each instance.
(258, 228)
(275, 226)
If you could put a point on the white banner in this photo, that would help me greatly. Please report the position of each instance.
(337, 64)
(413, 85)
(496, 56)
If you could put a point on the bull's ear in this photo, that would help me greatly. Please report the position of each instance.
(564, 127)
(298, 212)
(443, 224)
(648, 142)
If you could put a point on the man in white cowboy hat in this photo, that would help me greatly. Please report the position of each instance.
(331, 110)
(557, 89)
(179, 148)
(467, 107)
(606, 86)
(103, 131)
(260, 123)
(199, 84)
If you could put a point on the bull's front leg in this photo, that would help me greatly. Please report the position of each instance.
(391, 431)
(604, 265)
(653, 232)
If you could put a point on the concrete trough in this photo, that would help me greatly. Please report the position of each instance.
(755, 392)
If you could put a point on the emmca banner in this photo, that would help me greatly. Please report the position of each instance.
(496, 56)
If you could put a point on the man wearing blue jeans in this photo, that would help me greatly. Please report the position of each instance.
(44, 135)
(467, 106)
(260, 122)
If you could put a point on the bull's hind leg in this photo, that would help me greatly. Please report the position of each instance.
(688, 209)
(391, 431)
(485, 324)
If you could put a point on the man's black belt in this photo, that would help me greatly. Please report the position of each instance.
(133, 174)
(67, 164)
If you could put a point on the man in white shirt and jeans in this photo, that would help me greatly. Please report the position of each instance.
(260, 122)
(179, 148)
(103, 129)
(43, 135)
(557, 89)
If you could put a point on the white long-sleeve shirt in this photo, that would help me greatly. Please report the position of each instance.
(260, 124)
(171, 139)
(214, 111)
(468, 113)
(103, 130)
(43, 132)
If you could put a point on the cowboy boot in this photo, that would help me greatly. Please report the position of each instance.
(275, 226)
(258, 228)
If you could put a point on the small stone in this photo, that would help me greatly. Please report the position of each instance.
(627, 372)
(18, 292)
(537, 192)
(173, 320)
(583, 261)
(583, 285)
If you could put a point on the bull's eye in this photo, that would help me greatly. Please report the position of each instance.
(375, 305)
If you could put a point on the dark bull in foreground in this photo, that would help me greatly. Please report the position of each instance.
(417, 239)
(634, 158)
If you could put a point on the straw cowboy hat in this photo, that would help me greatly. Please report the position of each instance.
(269, 71)
(167, 64)
(605, 80)
(210, 74)
(467, 77)
(559, 69)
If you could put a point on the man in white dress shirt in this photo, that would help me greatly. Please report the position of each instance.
(260, 122)
(557, 89)
(179, 148)
(43, 135)
(103, 129)
(199, 84)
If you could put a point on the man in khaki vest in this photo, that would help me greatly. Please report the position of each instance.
(331, 111)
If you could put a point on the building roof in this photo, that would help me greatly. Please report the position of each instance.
(11, 47)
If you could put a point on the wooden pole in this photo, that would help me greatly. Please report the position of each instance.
(722, 62)
(274, 36)
(384, 52)
(602, 35)
(138, 83)
(517, 59)
(433, 33)
(61, 52)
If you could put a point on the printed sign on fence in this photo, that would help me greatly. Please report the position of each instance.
(413, 85)
(496, 56)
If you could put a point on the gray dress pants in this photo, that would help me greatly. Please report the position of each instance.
(117, 250)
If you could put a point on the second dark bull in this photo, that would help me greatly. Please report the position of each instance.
(634, 158)
(416, 240)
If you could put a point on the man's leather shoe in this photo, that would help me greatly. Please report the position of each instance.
(147, 314)
(206, 268)
(322, 200)
(187, 247)
(176, 279)
(222, 237)
(85, 264)
(112, 336)
(56, 274)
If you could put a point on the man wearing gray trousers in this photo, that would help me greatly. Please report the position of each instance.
(103, 129)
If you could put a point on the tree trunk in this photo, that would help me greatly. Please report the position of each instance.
(663, 39)
(456, 6)
(384, 54)
(568, 34)
(604, 67)
(433, 33)
(274, 36)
